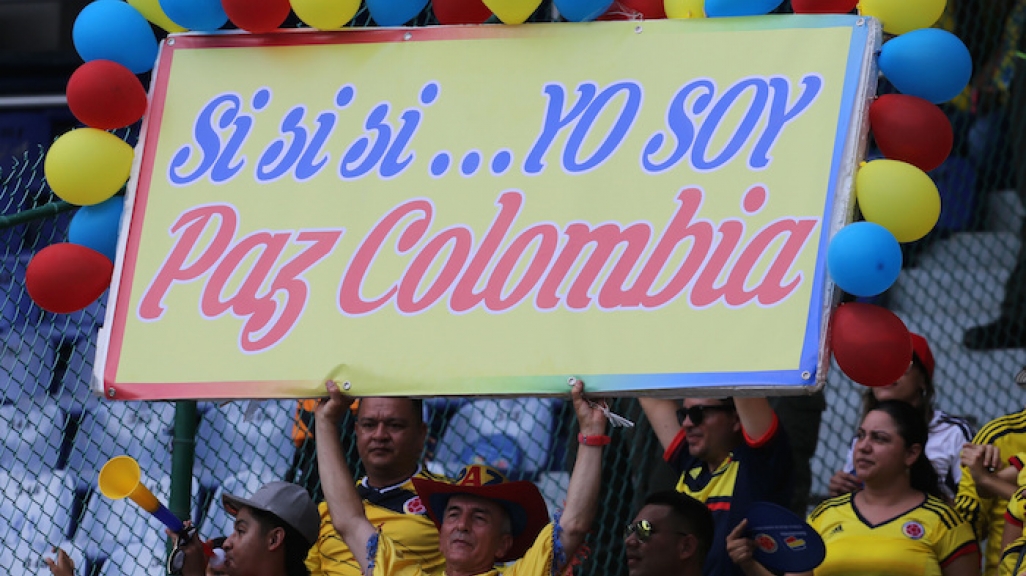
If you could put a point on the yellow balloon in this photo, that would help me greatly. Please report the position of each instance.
(151, 10)
(512, 11)
(87, 166)
(900, 16)
(684, 8)
(325, 14)
(899, 197)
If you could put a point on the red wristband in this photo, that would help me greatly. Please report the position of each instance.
(600, 440)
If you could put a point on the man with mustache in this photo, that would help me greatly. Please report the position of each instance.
(390, 434)
(482, 518)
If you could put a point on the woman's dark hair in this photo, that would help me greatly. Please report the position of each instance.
(913, 429)
(925, 408)
(296, 547)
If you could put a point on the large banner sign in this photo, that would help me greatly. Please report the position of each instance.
(489, 210)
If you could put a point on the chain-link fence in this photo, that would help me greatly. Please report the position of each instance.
(54, 434)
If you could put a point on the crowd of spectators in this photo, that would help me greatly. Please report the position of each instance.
(894, 509)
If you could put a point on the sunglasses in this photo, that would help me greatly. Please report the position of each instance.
(697, 413)
(643, 530)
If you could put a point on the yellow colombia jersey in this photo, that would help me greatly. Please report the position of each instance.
(757, 470)
(987, 515)
(1014, 516)
(537, 561)
(918, 542)
(398, 513)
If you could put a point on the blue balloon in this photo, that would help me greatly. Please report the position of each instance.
(721, 8)
(97, 226)
(201, 15)
(114, 30)
(582, 10)
(864, 259)
(930, 63)
(395, 12)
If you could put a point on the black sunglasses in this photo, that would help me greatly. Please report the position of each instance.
(176, 560)
(697, 413)
(643, 530)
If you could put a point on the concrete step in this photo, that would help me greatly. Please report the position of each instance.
(973, 250)
(950, 291)
(1005, 211)
(943, 331)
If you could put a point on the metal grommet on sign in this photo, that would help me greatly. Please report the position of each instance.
(346, 385)
(111, 392)
(806, 375)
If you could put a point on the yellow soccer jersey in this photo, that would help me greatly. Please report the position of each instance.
(918, 542)
(1014, 515)
(987, 515)
(1019, 463)
(389, 560)
(398, 513)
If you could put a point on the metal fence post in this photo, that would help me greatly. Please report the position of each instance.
(183, 449)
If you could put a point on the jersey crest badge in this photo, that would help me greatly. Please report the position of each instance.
(913, 529)
(766, 543)
(414, 506)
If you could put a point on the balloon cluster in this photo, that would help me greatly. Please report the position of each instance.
(898, 200)
(900, 203)
(88, 166)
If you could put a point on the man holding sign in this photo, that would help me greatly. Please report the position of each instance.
(390, 434)
(482, 519)
(731, 453)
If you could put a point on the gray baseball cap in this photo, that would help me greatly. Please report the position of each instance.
(285, 500)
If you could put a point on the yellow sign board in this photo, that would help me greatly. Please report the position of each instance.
(488, 210)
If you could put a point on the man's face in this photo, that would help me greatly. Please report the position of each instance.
(716, 435)
(663, 552)
(474, 534)
(390, 438)
(247, 549)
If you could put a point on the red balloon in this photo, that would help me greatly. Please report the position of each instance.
(257, 16)
(911, 129)
(67, 277)
(871, 345)
(635, 9)
(823, 6)
(106, 95)
(460, 11)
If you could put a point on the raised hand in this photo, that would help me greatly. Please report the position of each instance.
(590, 416)
(63, 566)
(331, 409)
